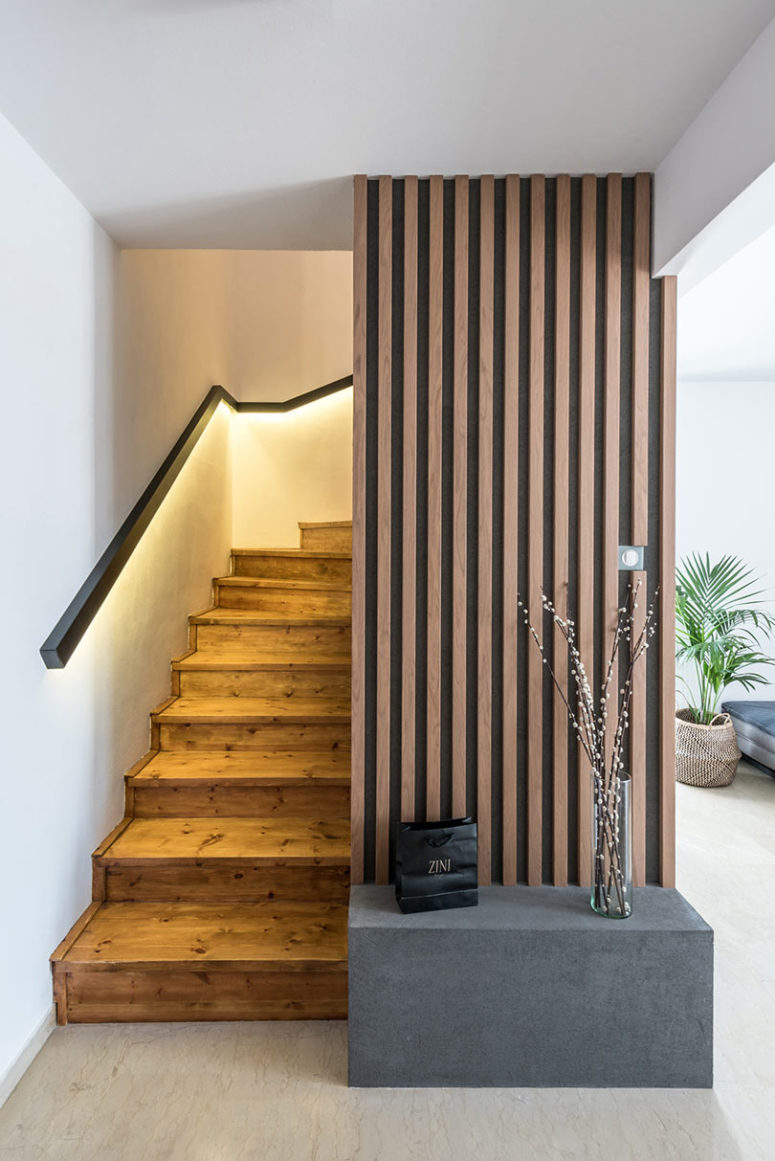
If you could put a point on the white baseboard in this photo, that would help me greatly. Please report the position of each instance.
(17, 1068)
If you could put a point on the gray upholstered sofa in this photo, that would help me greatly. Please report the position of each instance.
(754, 723)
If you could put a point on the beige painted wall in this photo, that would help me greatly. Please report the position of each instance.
(144, 621)
(289, 319)
(172, 346)
(291, 467)
(267, 325)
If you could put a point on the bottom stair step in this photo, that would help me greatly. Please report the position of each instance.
(183, 961)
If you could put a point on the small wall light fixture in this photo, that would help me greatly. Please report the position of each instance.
(632, 557)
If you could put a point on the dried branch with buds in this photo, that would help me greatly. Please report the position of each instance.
(603, 743)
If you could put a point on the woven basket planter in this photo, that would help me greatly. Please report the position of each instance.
(705, 755)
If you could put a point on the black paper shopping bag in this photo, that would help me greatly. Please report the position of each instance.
(436, 865)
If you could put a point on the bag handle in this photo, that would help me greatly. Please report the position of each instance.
(440, 840)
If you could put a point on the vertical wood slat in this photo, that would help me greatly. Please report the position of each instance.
(484, 596)
(384, 526)
(409, 554)
(561, 525)
(667, 483)
(639, 504)
(585, 549)
(535, 532)
(612, 375)
(510, 529)
(435, 332)
(358, 708)
(460, 501)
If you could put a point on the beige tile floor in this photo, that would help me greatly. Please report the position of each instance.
(276, 1092)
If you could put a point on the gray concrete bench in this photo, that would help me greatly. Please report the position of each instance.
(530, 988)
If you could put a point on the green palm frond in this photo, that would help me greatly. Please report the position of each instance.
(720, 618)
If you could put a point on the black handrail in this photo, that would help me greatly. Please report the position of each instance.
(58, 647)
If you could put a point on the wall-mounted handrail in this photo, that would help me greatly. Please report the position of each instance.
(58, 647)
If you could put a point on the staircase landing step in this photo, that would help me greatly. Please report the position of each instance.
(333, 534)
(325, 523)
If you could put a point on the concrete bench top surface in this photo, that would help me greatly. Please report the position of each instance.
(530, 909)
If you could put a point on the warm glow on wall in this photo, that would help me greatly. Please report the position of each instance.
(291, 466)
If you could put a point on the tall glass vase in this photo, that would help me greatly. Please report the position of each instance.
(612, 847)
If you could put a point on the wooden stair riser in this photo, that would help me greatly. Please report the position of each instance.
(293, 602)
(129, 996)
(168, 799)
(330, 539)
(291, 639)
(306, 568)
(261, 735)
(222, 881)
(263, 683)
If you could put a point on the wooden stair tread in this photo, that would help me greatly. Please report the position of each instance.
(309, 661)
(303, 553)
(211, 660)
(331, 767)
(245, 710)
(277, 935)
(174, 839)
(220, 616)
(325, 523)
(268, 582)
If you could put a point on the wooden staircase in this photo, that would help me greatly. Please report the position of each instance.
(222, 895)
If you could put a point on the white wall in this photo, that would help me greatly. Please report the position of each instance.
(726, 480)
(69, 735)
(722, 154)
(725, 327)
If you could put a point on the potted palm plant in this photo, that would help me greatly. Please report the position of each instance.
(720, 617)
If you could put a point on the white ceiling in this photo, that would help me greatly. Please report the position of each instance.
(726, 324)
(238, 123)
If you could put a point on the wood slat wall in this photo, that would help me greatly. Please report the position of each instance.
(514, 423)
(484, 531)
(560, 528)
(510, 780)
(639, 508)
(459, 502)
(409, 553)
(359, 645)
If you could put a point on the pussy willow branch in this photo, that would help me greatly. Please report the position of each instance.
(637, 650)
(591, 728)
(590, 718)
